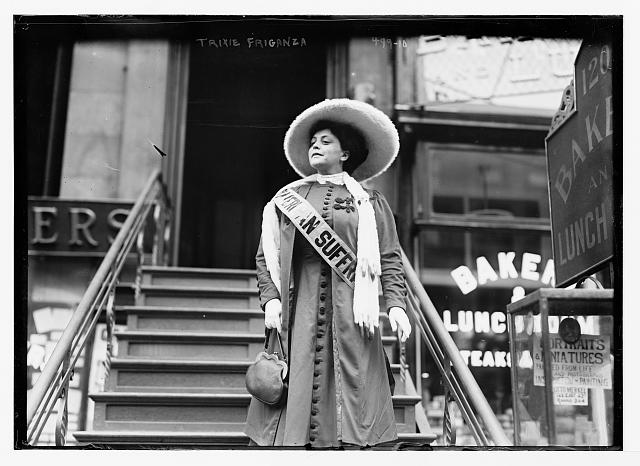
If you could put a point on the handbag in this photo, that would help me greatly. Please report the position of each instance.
(266, 377)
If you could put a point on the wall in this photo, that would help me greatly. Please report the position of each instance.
(371, 80)
(116, 105)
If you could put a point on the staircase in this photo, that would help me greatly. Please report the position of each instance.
(178, 378)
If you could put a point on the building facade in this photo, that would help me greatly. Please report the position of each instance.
(469, 188)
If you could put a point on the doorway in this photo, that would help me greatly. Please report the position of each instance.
(240, 103)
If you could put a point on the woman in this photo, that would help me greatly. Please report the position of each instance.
(321, 293)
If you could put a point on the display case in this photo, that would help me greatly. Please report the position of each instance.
(562, 348)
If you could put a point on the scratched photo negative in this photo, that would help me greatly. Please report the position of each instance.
(318, 232)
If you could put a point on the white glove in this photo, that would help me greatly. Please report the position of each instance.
(398, 318)
(273, 314)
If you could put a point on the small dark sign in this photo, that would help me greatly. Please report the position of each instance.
(74, 226)
(579, 163)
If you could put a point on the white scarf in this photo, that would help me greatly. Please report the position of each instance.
(366, 307)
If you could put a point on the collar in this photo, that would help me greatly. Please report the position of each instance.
(337, 178)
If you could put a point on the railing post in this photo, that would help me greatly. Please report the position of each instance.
(162, 233)
(448, 428)
(165, 232)
(62, 407)
(158, 243)
(403, 360)
(110, 319)
(140, 253)
(166, 235)
(140, 244)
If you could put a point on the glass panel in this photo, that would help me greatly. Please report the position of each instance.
(443, 250)
(490, 243)
(582, 382)
(530, 401)
(477, 324)
(481, 180)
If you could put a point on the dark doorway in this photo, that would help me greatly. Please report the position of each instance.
(241, 101)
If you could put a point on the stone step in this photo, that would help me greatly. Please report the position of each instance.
(162, 439)
(188, 376)
(128, 411)
(202, 277)
(190, 345)
(200, 345)
(201, 440)
(193, 319)
(194, 296)
(177, 376)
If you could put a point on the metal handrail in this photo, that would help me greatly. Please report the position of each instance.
(53, 383)
(458, 380)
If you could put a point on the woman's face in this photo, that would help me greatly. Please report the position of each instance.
(325, 153)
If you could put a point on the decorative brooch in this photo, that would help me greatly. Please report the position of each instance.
(346, 204)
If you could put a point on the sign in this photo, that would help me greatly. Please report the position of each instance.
(459, 69)
(579, 163)
(74, 226)
(528, 270)
(484, 326)
(583, 364)
(575, 396)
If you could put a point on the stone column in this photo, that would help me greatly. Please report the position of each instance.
(116, 101)
(144, 114)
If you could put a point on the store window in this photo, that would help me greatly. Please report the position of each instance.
(482, 239)
(502, 192)
(476, 180)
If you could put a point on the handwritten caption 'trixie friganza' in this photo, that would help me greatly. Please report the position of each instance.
(252, 42)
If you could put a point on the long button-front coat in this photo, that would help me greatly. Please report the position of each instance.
(362, 399)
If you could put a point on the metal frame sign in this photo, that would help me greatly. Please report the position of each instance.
(579, 164)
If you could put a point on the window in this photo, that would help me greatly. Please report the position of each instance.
(476, 201)
(480, 181)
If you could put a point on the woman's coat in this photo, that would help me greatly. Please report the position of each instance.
(364, 407)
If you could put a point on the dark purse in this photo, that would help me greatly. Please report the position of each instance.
(266, 378)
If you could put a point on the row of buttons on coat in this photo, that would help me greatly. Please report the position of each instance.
(321, 327)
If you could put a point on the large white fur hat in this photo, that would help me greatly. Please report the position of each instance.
(380, 134)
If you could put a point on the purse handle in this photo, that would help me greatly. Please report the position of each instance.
(266, 341)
